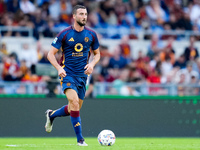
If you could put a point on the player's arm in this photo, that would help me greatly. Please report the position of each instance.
(51, 57)
(89, 67)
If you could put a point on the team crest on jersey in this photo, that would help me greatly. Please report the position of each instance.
(55, 40)
(68, 84)
(86, 39)
(78, 47)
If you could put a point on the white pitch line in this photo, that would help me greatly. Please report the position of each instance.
(12, 145)
(33, 145)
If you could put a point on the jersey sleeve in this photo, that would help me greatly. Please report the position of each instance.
(95, 43)
(57, 42)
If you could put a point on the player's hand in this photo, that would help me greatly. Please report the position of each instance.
(61, 72)
(89, 69)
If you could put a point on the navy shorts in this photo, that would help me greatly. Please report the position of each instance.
(76, 83)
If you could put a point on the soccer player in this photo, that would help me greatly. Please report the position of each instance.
(75, 42)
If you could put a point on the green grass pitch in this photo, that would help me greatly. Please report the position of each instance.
(120, 144)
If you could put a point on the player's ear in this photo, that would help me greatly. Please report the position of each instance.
(74, 16)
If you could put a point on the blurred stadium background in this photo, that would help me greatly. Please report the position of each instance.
(149, 65)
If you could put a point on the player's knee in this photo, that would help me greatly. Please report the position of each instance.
(74, 105)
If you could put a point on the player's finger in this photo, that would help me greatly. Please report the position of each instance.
(86, 66)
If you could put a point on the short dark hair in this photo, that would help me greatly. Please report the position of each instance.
(77, 7)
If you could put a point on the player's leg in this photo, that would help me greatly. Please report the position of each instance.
(51, 115)
(61, 112)
(74, 107)
(80, 105)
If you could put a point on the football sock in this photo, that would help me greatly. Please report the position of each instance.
(61, 112)
(76, 123)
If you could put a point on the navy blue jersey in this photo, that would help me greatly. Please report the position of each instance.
(75, 49)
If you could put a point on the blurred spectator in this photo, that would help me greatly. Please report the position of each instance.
(166, 66)
(187, 73)
(120, 86)
(54, 10)
(168, 52)
(2, 7)
(176, 9)
(49, 29)
(107, 13)
(113, 74)
(11, 69)
(3, 49)
(129, 17)
(184, 22)
(155, 12)
(125, 47)
(154, 61)
(120, 11)
(155, 47)
(39, 23)
(180, 62)
(44, 59)
(135, 76)
(12, 5)
(29, 55)
(181, 84)
(155, 76)
(191, 51)
(27, 6)
(142, 64)
(198, 65)
(66, 10)
(193, 90)
(93, 19)
(30, 77)
(195, 12)
(45, 11)
(104, 61)
(117, 60)
(23, 68)
(172, 22)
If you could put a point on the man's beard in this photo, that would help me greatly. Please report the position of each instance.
(81, 24)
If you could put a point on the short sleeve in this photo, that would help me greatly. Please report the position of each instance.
(95, 43)
(57, 42)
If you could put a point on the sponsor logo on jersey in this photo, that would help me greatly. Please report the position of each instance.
(55, 40)
(78, 47)
(71, 39)
(78, 124)
(77, 54)
(86, 39)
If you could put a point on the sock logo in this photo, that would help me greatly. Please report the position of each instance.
(78, 124)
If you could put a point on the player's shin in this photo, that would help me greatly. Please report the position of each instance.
(76, 123)
(61, 112)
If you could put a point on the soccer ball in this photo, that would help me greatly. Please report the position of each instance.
(106, 138)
